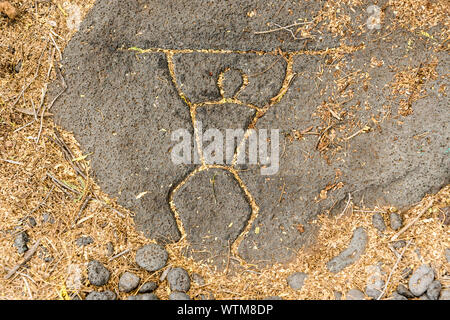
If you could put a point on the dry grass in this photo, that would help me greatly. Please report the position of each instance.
(27, 190)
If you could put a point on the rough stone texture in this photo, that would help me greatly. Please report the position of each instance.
(84, 241)
(434, 289)
(104, 295)
(354, 250)
(378, 222)
(296, 280)
(144, 296)
(397, 296)
(179, 280)
(403, 290)
(354, 294)
(396, 220)
(20, 242)
(128, 282)
(421, 279)
(447, 255)
(179, 296)
(375, 282)
(148, 287)
(213, 214)
(98, 275)
(151, 257)
(123, 108)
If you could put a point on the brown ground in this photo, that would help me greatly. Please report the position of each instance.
(34, 40)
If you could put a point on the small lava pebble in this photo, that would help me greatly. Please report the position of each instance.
(128, 282)
(179, 280)
(399, 244)
(84, 241)
(144, 296)
(32, 222)
(105, 295)
(97, 273)
(296, 280)
(447, 255)
(396, 220)
(151, 257)
(20, 242)
(403, 290)
(420, 280)
(148, 287)
(48, 218)
(378, 222)
(434, 289)
(355, 294)
(179, 296)
(397, 296)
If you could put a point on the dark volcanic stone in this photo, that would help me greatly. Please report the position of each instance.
(179, 280)
(296, 280)
(355, 294)
(378, 222)
(20, 242)
(351, 254)
(151, 257)
(105, 295)
(434, 289)
(396, 220)
(179, 296)
(397, 296)
(123, 107)
(421, 279)
(148, 287)
(403, 290)
(84, 241)
(212, 218)
(97, 273)
(128, 282)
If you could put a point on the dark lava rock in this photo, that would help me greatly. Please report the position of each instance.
(372, 292)
(351, 254)
(98, 275)
(179, 280)
(397, 296)
(434, 289)
(109, 249)
(399, 244)
(84, 241)
(355, 294)
(403, 290)
(20, 242)
(128, 282)
(378, 222)
(144, 296)
(32, 222)
(296, 280)
(420, 280)
(124, 106)
(211, 230)
(148, 287)
(396, 220)
(179, 296)
(104, 295)
(151, 257)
